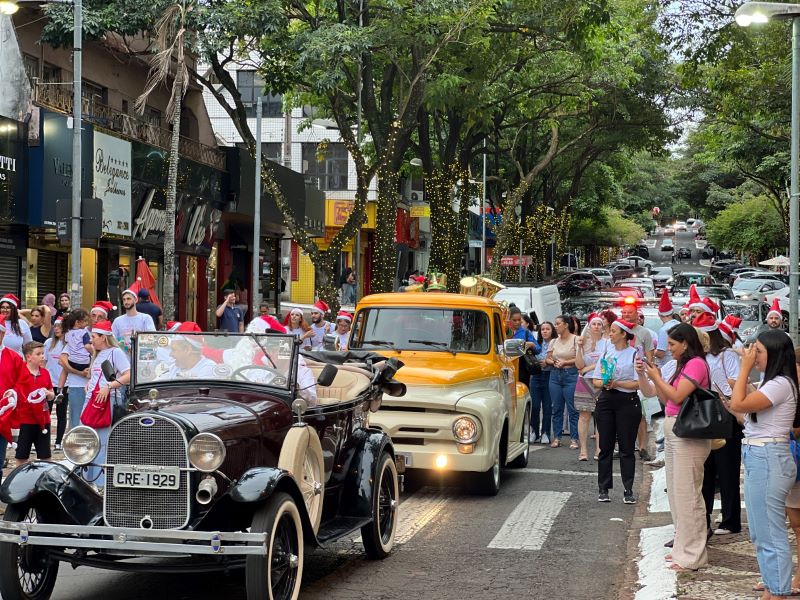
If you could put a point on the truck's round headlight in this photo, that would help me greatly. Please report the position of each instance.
(466, 430)
(206, 452)
(81, 445)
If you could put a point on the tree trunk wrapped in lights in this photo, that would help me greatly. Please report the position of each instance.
(385, 257)
(449, 229)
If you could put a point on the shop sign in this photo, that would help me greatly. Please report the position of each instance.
(112, 182)
(338, 211)
(12, 171)
(421, 210)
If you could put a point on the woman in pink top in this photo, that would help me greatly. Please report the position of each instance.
(684, 458)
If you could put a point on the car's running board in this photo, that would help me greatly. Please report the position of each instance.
(339, 528)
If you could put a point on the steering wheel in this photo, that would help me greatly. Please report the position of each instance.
(278, 378)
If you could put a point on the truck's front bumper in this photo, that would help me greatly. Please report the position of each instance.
(144, 541)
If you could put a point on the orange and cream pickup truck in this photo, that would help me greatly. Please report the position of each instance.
(464, 409)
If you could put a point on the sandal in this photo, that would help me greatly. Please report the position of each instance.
(597, 457)
(574, 445)
(583, 457)
(759, 587)
(680, 569)
(555, 444)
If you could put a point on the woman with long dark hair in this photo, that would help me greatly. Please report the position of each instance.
(18, 332)
(769, 469)
(561, 355)
(684, 457)
(540, 387)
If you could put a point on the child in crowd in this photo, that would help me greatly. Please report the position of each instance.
(78, 343)
(34, 391)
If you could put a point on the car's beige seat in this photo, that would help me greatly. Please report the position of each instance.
(347, 385)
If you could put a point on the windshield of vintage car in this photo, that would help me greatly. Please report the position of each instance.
(268, 359)
(419, 328)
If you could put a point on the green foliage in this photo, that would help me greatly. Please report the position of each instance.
(608, 227)
(750, 225)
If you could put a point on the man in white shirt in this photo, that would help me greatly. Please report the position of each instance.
(188, 360)
(131, 321)
(319, 325)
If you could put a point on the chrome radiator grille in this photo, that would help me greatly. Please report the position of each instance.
(161, 444)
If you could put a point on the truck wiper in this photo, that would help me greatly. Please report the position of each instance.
(381, 343)
(444, 345)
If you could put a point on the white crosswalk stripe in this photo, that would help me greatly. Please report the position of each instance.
(529, 524)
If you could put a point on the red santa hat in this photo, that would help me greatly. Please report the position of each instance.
(133, 289)
(624, 325)
(726, 331)
(11, 299)
(665, 308)
(345, 316)
(694, 299)
(264, 323)
(288, 317)
(595, 316)
(705, 322)
(733, 322)
(103, 307)
(321, 307)
(58, 321)
(185, 326)
(775, 308)
(102, 328)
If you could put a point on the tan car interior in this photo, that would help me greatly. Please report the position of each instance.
(349, 382)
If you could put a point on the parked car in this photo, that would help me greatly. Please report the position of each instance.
(756, 289)
(604, 275)
(684, 253)
(718, 291)
(622, 271)
(223, 469)
(763, 275)
(680, 226)
(667, 245)
(624, 291)
(638, 261)
(577, 282)
(753, 314)
(641, 250)
(669, 230)
(681, 281)
(644, 284)
(721, 269)
(660, 276)
(735, 273)
(461, 413)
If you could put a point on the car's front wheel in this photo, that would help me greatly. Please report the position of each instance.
(488, 482)
(278, 575)
(26, 572)
(378, 535)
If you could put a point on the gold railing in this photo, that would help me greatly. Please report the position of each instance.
(59, 98)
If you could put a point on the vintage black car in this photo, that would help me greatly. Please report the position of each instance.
(223, 461)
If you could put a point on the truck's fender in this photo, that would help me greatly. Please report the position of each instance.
(490, 407)
(79, 502)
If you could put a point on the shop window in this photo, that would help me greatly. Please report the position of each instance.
(251, 85)
(326, 166)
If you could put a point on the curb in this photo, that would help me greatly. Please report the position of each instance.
(630, 578)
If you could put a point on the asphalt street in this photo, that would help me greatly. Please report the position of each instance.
(683, 239)
(544, 536)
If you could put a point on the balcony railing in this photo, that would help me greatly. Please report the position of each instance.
(59, 98)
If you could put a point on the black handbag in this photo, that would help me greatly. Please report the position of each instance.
(534, 368)
(702, 415)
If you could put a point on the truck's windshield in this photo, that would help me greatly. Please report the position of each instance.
(428, 329)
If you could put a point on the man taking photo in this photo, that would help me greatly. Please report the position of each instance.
(230, 317)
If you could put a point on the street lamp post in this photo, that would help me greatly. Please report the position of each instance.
(255, 296)
(9, 7)
(757, 13)
(483, 212)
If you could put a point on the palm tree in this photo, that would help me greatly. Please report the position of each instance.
(170, 42)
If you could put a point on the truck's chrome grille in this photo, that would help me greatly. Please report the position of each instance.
(161, 444)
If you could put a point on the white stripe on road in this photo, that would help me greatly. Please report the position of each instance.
(562, 472)
(656, 580)
(528, 525)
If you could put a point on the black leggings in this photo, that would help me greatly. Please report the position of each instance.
(724, 466)
(617, 416)
(61, 416)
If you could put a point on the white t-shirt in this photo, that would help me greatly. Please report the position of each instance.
(317, 340)
(662, 344)
(777, 420)
(724, 366)
(52, 357)
(625, 365)
(116, 357)
(124, 326)
(203, 369)
(14, 341)
(73, 380)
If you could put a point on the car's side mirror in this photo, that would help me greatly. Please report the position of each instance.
(514, 348)
(329, 342)
(108, 371)
(327, 375)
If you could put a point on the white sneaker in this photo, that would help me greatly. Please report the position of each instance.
(532, 438)
(722, 532)
(545, 439)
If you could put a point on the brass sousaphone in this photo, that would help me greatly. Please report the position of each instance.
(478, 285)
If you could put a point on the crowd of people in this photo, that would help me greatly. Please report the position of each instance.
(628, 379)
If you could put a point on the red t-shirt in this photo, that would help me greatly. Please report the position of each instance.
(33, 413)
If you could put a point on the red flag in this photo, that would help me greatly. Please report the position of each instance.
(146, 280)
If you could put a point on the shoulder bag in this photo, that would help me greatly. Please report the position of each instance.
(534, 368)
(702, 415)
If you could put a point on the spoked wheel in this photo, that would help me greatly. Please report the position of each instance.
(26, 572)
(522, 460)
(378, 535)
(278, 575)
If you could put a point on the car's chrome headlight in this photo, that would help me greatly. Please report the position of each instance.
(81, 445)
(206, 452)
(466, 430)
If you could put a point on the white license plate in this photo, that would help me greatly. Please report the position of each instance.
(147, 477)
(405, 457)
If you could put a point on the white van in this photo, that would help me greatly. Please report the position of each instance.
(544, 300)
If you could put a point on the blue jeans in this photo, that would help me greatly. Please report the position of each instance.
(562, 392)
(769, 474)
(77, 398)
(540, 397)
